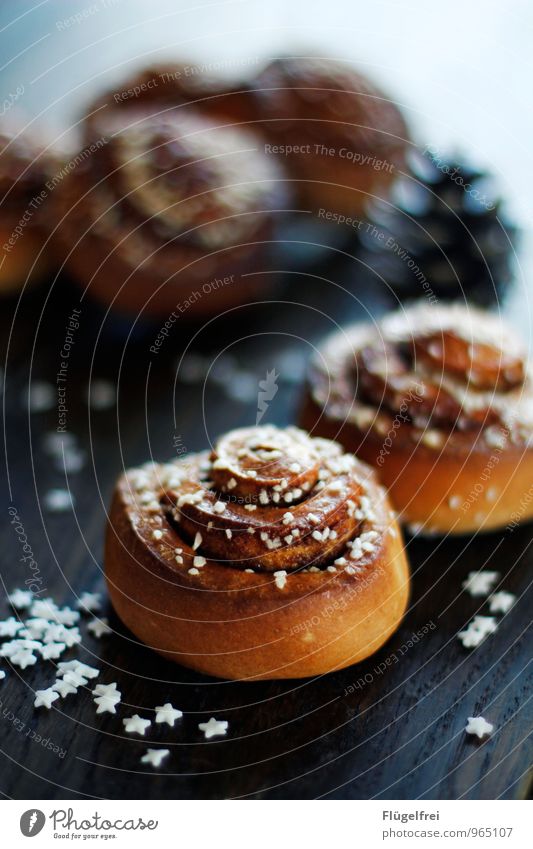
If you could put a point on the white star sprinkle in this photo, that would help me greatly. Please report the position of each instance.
(213, 728)
(2, 674)
(51, 651)
(477, 630)
(136, 725)
(20, 599)
(99, 627)
(480, 583)
(60, 634)
(37, 628)
(479, 726)
(23, 658)
(64, 688)
(44, 698)
(167, 713)
(77, 666)
(66, 616)
(40, 396)
(89, 602)
(69, 636)
(501, 602)
(75, 678)
(102, 395)
(107, 697)
(45, 608)
(155, 757)
(13, 646)
(58, 500)
(280, 578)
(10, 627)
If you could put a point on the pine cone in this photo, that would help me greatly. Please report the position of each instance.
(445, 233)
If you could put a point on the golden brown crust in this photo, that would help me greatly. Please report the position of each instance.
(238, 616)
(349, 138)
(167, 211)
(440, 401)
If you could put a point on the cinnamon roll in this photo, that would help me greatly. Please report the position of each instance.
(167, 215)
(25, 169)
(440, 400)
(275, 555)
(341, 138)
(185, 86)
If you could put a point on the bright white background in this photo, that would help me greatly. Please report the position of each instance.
(463, 69)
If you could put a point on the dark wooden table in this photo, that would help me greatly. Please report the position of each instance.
(360, 733)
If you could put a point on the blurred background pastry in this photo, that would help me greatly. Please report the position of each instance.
(177, 85)
(25, 168)
(166, 211)
(439, 399)
(348, 138)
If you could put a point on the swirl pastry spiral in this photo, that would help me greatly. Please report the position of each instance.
(440, 400)
(275, 555)
(167, 210)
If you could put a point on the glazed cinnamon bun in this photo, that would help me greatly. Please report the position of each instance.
(440, 400)
(167, 215)
(275, 555)
(340, 137)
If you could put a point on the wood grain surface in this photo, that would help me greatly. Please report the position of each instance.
(391, 727)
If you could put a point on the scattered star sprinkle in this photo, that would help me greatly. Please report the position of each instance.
(36, 627)
(66, 616)
(99, 627)
(23, 658)
(102, 395)
(214, 728)
(477, 630)
(44, 698)
(89, 602)
(155, 757)
(20, 599)
(107, 697)
(479, 726)
(136, 725)
(501, 602)
(51, 651)
(64, 688)
(75, 678)
(40, 396)
(167, 713)
(79, 667)
(10, 627)
(480, 583)
(2, 674)
(58, 500)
